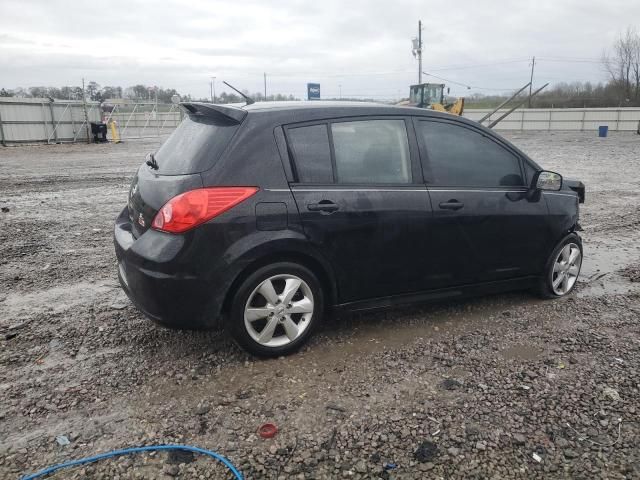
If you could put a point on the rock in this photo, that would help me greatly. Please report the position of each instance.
(611, 393)
(171, 470)
(361, 466)
(425, 451)
(568, 453)
(176, 457)
(425, 467)
(480, 445)
(450, 384)
(519, 439)
(453, 451)
(202, 409)
(243, 395)
(5, 209)
(335, 407)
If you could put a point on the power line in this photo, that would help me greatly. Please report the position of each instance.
(478, 65)
(468, 87)
(569, 60)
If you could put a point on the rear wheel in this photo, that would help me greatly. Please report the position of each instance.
(276, 309)
(562, 269)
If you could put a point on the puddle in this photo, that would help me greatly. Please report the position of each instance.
(603, 259)
(521, 352)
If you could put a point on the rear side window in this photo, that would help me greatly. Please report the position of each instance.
(312, 154)
(459, 156)
(371, 151)
(195, 146)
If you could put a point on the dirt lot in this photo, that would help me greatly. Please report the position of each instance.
(457, 390)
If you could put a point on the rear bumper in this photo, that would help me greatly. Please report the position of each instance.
(154, 271)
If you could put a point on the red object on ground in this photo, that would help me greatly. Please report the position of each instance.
(268, 430)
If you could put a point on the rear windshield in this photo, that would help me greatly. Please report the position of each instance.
(195, 146)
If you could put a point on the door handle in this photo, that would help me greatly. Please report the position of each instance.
(324, 206)
(451, 205)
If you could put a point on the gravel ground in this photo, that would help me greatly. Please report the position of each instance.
(505, 386)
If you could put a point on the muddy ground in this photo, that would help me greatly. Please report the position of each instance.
(506, 386)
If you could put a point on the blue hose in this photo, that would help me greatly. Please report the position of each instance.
(127, 451)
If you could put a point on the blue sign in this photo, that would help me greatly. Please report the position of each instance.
(313, 91)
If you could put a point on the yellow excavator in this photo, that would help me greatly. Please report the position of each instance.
(431, 95)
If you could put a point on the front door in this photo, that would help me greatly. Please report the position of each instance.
(485, 225)
(362, 202)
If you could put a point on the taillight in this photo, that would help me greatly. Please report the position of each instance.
(190, 209)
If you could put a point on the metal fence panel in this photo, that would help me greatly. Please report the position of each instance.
(41, 120)
(617, 119)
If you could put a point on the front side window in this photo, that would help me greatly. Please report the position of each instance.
(459, 156)
(371, 151)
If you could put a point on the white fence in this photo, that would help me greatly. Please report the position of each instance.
(31, 120)
(41, 120)
(578, 119)
(142, 120)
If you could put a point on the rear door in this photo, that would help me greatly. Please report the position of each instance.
(486, 228)
(363, 203)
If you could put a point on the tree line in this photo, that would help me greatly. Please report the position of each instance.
(95, 92)
(565, 95)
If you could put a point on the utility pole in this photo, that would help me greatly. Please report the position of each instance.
(419, 51)
(213, 89)
(533, 64)
(340, 87)
(86, 117)
(265, 86)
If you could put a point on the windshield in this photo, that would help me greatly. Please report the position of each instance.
(195, 146)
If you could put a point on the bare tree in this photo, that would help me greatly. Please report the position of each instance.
(623, 65)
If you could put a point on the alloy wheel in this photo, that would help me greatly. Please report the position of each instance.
(566, 269)
(279, 310)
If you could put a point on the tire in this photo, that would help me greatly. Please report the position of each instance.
(558, 281)
(277, 320)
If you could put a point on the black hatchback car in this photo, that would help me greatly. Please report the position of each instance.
(261, 218)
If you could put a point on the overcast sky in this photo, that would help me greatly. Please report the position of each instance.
(356, 47)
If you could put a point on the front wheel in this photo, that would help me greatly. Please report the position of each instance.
(276, 309)
(562, 269)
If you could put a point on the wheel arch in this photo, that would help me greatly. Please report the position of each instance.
(318, 267)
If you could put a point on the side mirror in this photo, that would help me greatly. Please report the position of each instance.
(545, 180)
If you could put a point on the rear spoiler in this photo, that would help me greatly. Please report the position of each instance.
(222, 112)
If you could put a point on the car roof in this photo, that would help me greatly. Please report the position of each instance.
(288, 112)
(300, 111)
(311, 104)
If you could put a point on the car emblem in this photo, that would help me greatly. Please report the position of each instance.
(133, 191)
(141, 220)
